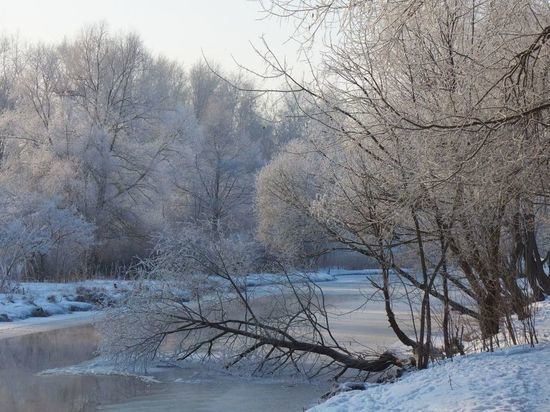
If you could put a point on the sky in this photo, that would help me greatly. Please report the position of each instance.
(178, 29)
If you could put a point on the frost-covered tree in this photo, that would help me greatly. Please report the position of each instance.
(129, 141)
(40, 239)
(432, 136)
(215, 176)
(95, 119)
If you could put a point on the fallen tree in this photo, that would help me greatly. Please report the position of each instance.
(219, 317)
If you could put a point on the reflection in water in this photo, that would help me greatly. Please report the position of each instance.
(39, 351)
(23, 391)
(225, 394)
(193, 388)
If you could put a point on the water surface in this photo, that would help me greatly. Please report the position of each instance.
(192, 388)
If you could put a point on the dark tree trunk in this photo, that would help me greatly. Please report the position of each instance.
(534, 269)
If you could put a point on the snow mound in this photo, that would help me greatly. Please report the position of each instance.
(507, 380)
(513, 379)
(36, 299)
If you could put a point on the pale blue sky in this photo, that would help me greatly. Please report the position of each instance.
(178, 29)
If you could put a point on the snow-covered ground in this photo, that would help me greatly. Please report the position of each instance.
(39, 300)
(513, 379)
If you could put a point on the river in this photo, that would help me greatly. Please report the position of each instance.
(25, 352)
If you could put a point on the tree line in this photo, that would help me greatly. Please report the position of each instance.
(103, 145)
(420, 142)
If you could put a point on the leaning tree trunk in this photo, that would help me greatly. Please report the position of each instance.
(534, 269)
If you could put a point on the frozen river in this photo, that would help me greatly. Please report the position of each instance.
(27, 350)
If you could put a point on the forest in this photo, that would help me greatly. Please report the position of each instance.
(418, 147)
(104, 146)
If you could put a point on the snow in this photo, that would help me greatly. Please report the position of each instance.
(513, 379)
(34, 299)
(360, 272)
(542, 320)
(44, 299)
(509, 380)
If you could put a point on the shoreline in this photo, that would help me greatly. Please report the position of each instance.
(30, 326)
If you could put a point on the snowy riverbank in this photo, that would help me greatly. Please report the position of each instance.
(43, 299)
(512, 379)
